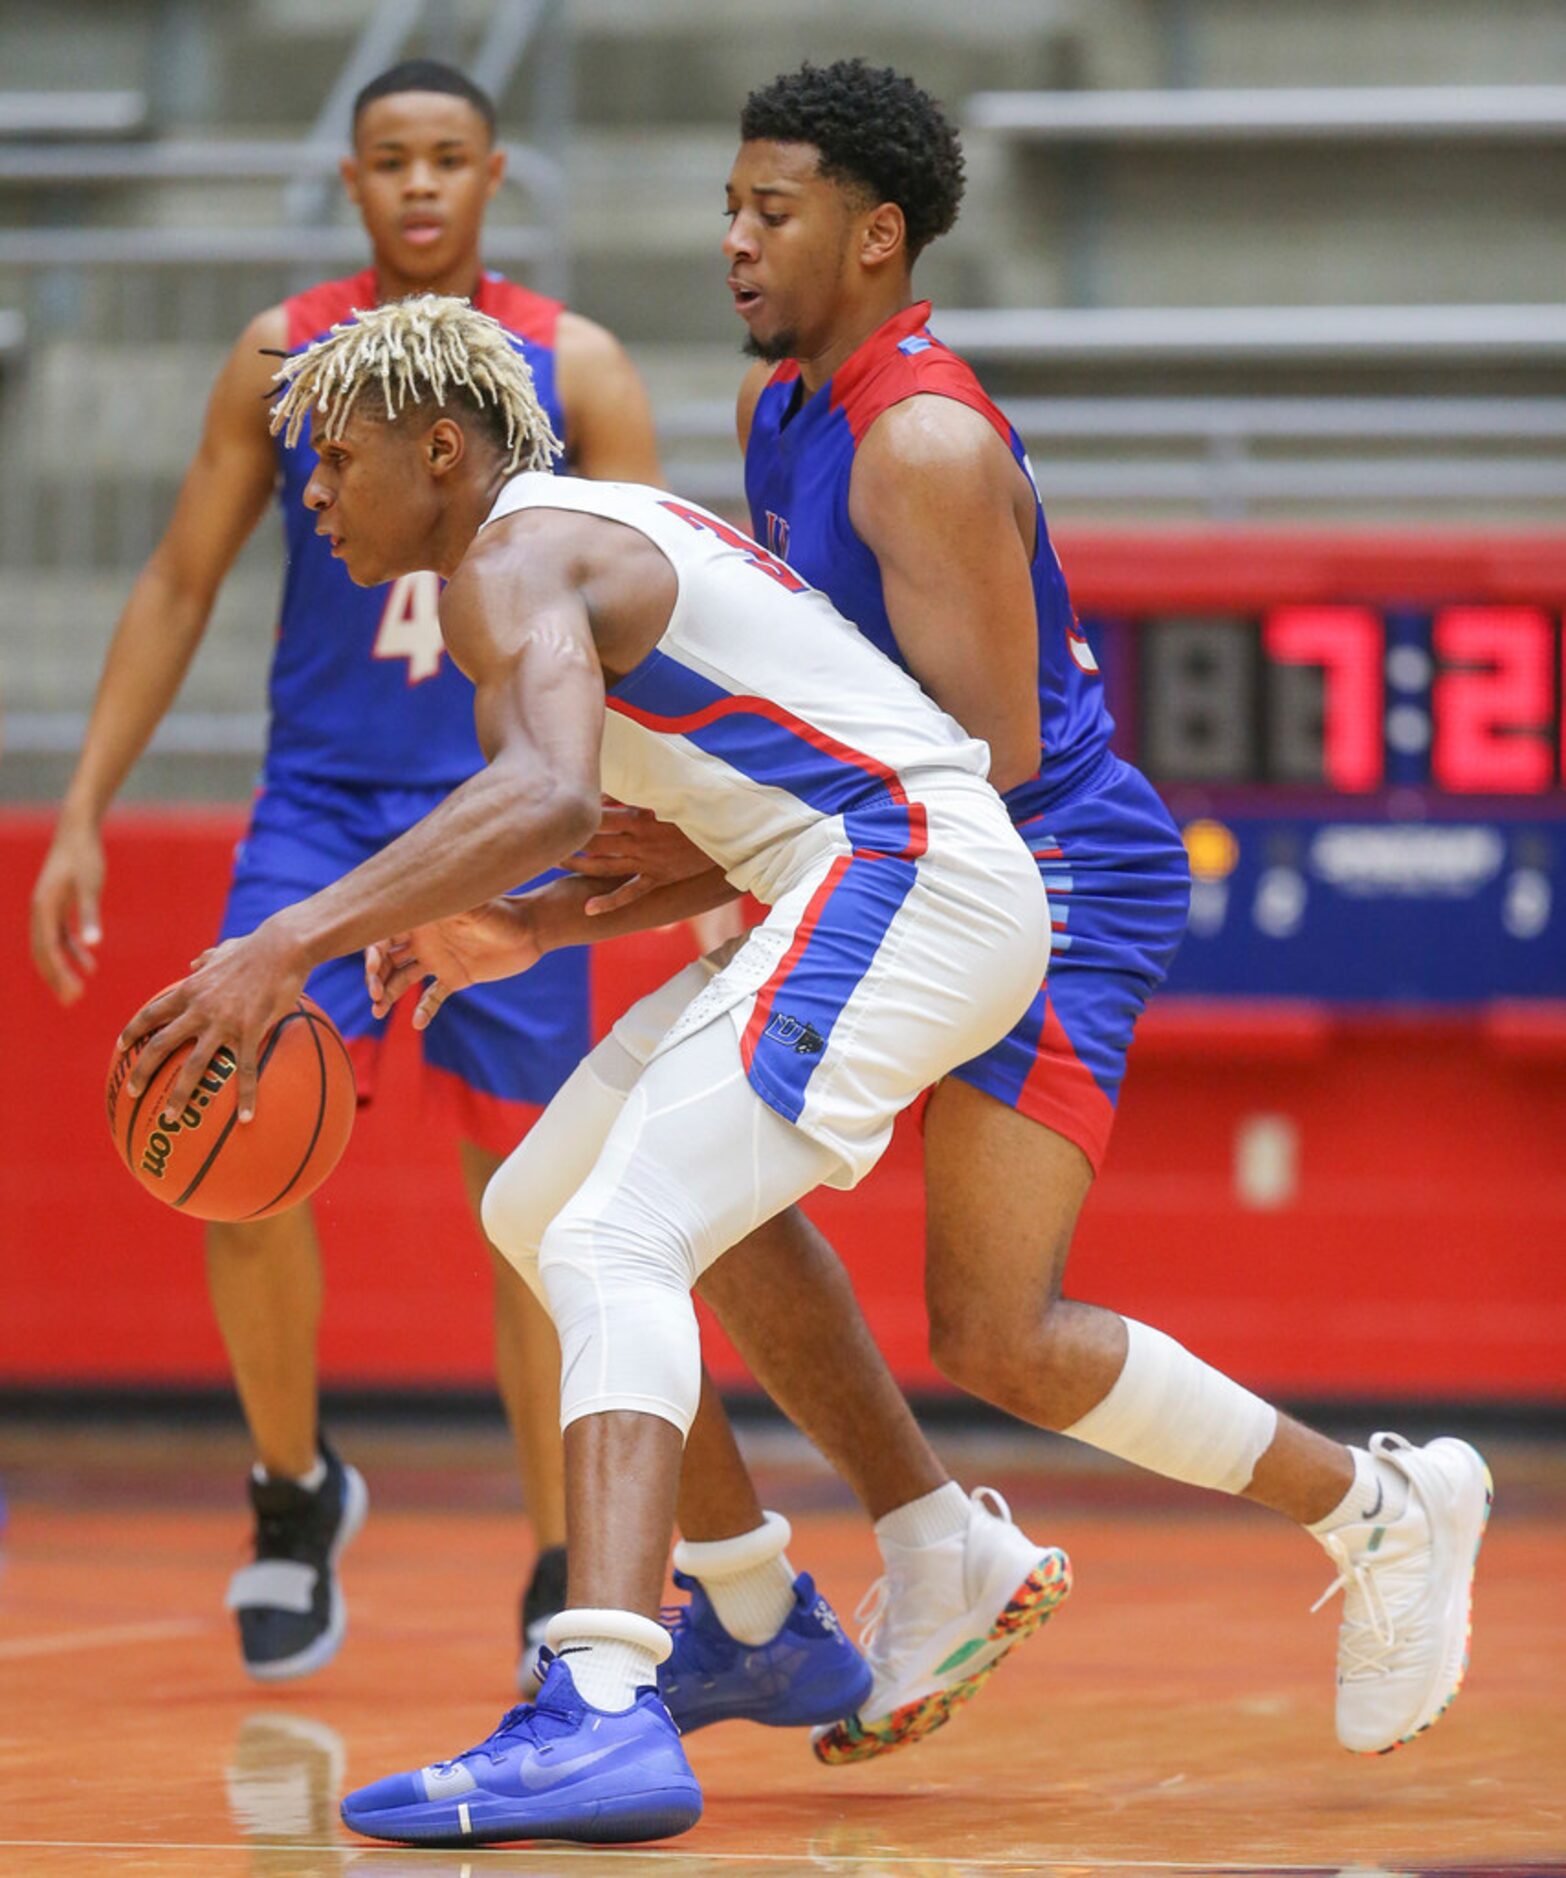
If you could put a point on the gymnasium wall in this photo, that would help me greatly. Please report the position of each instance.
(1356, 1201)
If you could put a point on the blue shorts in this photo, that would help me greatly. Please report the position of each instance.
(1119, 887)
(497, 1052)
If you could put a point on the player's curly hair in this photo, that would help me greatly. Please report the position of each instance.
(872, 127)
(430, 350)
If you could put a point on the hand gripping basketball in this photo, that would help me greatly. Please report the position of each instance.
(198, 1159)
(235, 993)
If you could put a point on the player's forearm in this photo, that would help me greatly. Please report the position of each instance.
(560, 916)
(493, 831)
(151, 650)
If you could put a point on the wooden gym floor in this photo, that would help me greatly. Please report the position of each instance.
(1177, 1715)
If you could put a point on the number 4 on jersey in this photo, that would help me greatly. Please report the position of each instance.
(410, 625)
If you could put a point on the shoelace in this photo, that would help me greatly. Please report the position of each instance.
(1365, 1644)
(519, 1724)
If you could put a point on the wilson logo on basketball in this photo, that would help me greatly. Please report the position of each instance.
(155, 1156)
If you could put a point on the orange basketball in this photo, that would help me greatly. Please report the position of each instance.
(205, 1160)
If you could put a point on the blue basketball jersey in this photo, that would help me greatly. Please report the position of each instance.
(798, 463)
(362, 691)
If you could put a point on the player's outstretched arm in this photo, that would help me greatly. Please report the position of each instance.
(937, 498)
(225, 489)
(609, 421)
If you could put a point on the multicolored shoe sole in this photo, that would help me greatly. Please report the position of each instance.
(1468, 1640)
(1028, 1609)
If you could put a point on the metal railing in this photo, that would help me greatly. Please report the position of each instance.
(71, 113)
(1226, 456)
(1417, 335)
(1285, 114)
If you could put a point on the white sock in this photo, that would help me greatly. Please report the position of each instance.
(1379, 1493)
(748, 1578)
(608, 1671)
(311, 1482)
(925, 1521)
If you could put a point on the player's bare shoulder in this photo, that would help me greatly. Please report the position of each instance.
(246, 381)
(933, 453)
(931, 432)
(609, 424)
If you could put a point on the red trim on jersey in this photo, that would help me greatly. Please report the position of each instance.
(761, 1010)
(774, 713)
(319, 308)
(531, 316)
(878, 375)
(1060, 1093)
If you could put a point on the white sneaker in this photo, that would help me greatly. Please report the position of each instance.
(1407, 1595)
(937, 1625)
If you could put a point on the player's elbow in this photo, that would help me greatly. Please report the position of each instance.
(560, 812)
(578, 809)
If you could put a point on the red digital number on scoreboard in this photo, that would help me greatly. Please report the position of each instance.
(1346, 643)
(1478, 689)
(1493, 701)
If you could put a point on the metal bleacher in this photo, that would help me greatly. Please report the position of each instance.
(1226, 409)
(1202, 288)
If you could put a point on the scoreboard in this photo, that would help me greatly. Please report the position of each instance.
(1365, 747)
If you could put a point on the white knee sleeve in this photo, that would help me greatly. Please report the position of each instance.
(557, 1154)
(617, 1267)
(694, 1160)
(1176, 1415)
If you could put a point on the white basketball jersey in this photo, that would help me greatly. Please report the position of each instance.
(762, 723)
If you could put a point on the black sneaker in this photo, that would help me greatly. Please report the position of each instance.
(544, 1596)
(291, 1612)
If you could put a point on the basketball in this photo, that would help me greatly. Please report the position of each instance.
(203, 1161)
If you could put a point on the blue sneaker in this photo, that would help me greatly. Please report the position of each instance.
(808, 1674)
(556, 1768)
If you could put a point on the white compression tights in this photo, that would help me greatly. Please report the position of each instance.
(628, 1187)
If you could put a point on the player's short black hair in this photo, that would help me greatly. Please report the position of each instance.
(872, 127)
(426, 75)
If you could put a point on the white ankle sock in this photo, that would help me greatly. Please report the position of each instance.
(1379, 1493)
(610, 1654)
(607, 1672)
(748, 1578)
(925, 1521)
(311, 1482)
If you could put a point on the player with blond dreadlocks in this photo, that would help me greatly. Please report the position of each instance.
(620, 638)
(417, 352)
(371, 724)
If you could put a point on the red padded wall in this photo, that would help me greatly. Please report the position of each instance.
(1423, 1249)
(1417, 1244)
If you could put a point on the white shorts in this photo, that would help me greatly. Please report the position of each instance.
(875, 974)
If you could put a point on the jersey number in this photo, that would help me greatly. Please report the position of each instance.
(410, 625)
(768, 564)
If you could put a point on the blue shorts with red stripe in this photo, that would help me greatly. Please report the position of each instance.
(1119, 887)
(496, 1053)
